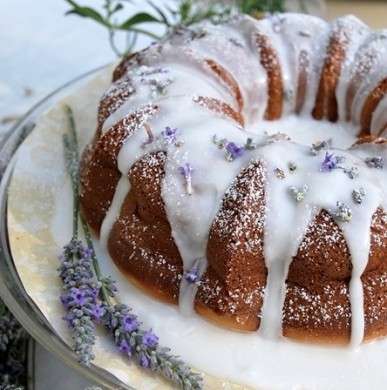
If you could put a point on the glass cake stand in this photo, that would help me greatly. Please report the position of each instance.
(11, 289)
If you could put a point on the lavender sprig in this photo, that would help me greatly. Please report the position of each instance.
(144, 347)
(79, 298)
(91, 298)
(183, 15)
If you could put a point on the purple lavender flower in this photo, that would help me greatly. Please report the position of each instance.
(169, 135)
(186, 170)
(149, 339)
(144, 361)
(330, 162)
(79, 297)
(86, 253)
(234, 151)
(124, 347)
(144, 347)
(192, 276)
(130, 323)
(65, 300)
(98, 311)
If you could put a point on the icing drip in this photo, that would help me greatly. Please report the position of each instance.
(113, 213)
(190, 216)
(174, 73)
(281, 243)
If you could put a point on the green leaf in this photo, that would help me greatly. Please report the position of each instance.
(185, 10)
(141, 17)
(117, 8)
(86, 12)
(251, 6)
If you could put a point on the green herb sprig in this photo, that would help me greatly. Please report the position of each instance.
(111, 17)
(185, 14)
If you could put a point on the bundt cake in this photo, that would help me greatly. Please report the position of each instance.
(238, 170)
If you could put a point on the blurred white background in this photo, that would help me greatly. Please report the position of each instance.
(40, 49)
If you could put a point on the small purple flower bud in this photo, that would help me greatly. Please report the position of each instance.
(65, 299)
(169, 135)
(87, 253)
(130, 323)
(149, 339)
(78, 296)
(124, 347)
(330, 162)
(186, 170)
(144, 362)
(192, 276)
(234, 151)
(98, 311)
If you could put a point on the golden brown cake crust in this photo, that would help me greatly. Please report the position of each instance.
(270, 62)
(326, 102)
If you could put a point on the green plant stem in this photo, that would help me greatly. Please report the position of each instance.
(144, 32)
(97, 270)
(113, 43)
(71, 143)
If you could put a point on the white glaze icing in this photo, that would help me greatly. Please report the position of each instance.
(191, 216)
(113, 213)
(379, 118)
(352, 34)
(377, 72)
(308, 36)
